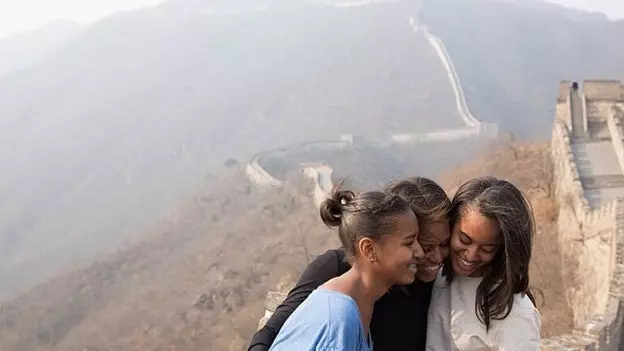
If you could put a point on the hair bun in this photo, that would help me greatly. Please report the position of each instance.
(331, 209)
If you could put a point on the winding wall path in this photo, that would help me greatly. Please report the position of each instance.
(473, 127)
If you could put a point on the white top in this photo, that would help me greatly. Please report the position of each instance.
(453, 324)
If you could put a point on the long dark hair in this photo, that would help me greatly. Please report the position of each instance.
(508, 273)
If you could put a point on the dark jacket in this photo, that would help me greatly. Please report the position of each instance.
(399, 319)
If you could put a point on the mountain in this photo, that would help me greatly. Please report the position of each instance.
(511, 56)
(24, 50)
(100, 138)
(558, 10)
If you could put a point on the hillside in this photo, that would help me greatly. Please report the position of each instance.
(102, 137)
(24, 50)
(195, 281)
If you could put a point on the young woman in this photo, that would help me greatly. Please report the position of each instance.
(482, 299)
(400, 316)
(378, 232)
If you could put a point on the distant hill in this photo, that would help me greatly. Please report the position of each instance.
(102, 137)
(23, 50)
(511, 55)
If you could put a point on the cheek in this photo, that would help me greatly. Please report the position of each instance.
(487, 258)
(401, 255)
(395, 253)
(455, 244)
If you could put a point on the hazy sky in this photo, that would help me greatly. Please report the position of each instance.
(613, 8)
(20, 15)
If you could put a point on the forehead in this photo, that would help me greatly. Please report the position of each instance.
(405, 224)
(435, 232)
(480, 229)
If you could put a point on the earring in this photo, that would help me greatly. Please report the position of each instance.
(373, 259)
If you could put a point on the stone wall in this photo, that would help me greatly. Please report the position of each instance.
(592, 242)
(610, 90)
(614, 123)
(260, 175)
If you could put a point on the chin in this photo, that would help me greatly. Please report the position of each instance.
(460, 270)
(428, 275)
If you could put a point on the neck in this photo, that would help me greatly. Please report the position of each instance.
(363, 287)
(368, 287)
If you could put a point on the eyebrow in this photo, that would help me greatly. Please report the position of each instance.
(471, 239)
(434, 240)
(410, 236)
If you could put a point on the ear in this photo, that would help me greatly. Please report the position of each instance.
(366, 246)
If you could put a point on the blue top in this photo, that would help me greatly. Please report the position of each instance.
(327, 320)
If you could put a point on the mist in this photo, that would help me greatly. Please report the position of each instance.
(107, 127)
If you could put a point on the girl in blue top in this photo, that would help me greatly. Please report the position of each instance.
(379, 234)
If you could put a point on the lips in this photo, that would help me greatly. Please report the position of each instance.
(432, 267)
(413, 267)
(465, 265)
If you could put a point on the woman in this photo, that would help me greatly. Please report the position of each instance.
(378, 232)
(482, 299)
(400, 316)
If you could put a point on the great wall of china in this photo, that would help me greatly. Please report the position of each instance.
(473, 128)
(588, 154)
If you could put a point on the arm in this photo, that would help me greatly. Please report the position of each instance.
(520, 331)
(323, 268)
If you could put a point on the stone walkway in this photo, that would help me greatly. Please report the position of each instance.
(596, 160)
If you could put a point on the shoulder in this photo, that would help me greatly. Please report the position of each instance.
(440, 281)
(523, 307)
(329, 306)
(343, 319)
(521, 327)
(340, 306)
(326, 319)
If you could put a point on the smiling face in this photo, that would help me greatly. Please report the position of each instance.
(434, 239)
(399, 252)
(474, 243)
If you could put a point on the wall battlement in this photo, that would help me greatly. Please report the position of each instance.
(591, 212)
(604, 90)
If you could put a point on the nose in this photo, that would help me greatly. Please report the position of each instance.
(435, 255)
(471, 254)
(417, 251)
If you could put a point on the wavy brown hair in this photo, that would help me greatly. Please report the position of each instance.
(426, 198)
(508, 273)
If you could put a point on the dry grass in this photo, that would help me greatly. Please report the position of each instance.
(196, 280)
